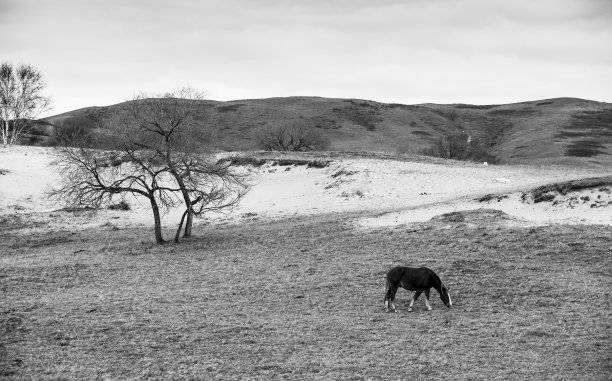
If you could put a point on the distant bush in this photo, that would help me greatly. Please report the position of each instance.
(74, 131)
(459, 147)
(122, 205)
(229, 108)
(295, 137)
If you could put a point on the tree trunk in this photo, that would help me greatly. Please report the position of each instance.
(156, 216)
(5, 129)
(188, 223)
(186, 198)
(178, 231)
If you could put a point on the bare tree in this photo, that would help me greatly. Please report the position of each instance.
(161, 153)
(20, 99)
(459, 146)
(291, 137)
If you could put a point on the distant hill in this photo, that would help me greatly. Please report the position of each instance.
(552, 131)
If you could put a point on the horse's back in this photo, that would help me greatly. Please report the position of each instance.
(412, 278)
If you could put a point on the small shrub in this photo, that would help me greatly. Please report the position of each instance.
(296, 137)
(459, 147)
(544, 197)
(122, 205)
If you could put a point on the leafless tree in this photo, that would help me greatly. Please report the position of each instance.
(459, 146)
(291, 137)
(20, 99)
(161, 152)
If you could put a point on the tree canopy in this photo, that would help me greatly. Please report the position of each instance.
(159, 152)
(21, 99)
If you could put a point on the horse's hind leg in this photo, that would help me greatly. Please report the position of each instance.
(427, 300)
(415, 297)
(390, 297)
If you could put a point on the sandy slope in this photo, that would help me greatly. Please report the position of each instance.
(395, 192)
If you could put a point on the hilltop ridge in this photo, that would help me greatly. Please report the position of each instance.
(568, 131)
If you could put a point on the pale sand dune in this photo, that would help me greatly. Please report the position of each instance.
(395, 192)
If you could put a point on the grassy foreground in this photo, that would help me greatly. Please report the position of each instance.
(303, 299)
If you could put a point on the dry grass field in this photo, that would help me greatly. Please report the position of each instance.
(302, 298)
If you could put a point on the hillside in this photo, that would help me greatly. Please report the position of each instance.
(554, 131)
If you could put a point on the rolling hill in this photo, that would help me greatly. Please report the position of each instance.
(567, 131)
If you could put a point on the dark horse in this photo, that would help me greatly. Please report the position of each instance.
(414, 279)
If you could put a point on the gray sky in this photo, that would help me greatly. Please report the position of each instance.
(101, 52)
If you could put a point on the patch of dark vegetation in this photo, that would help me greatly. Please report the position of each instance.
(4, 171)
(585, 148)
(307, 163)
(544, 103)
(405, 107)
(299, 136)
(513, 113)
(422, 133)
(229, 108)
(324, 122)
(452, 217)
(460, 147)
(491, 197)
(361, 103)
(258, 162)
(362, 114)
(77, 209)
(244, 160)
(479, 217)
(342, 172)
(592, 131)
(475, 107)
(122, 205)
(547, 192)
(543, 197)
(76, 130)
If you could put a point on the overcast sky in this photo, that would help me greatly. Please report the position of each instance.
(101, 52)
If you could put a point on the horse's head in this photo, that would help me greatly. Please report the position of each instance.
(445, 296)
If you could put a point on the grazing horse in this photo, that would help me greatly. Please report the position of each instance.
(414, 279)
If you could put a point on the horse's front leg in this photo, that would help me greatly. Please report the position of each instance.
(415, 297)
(427, 300)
